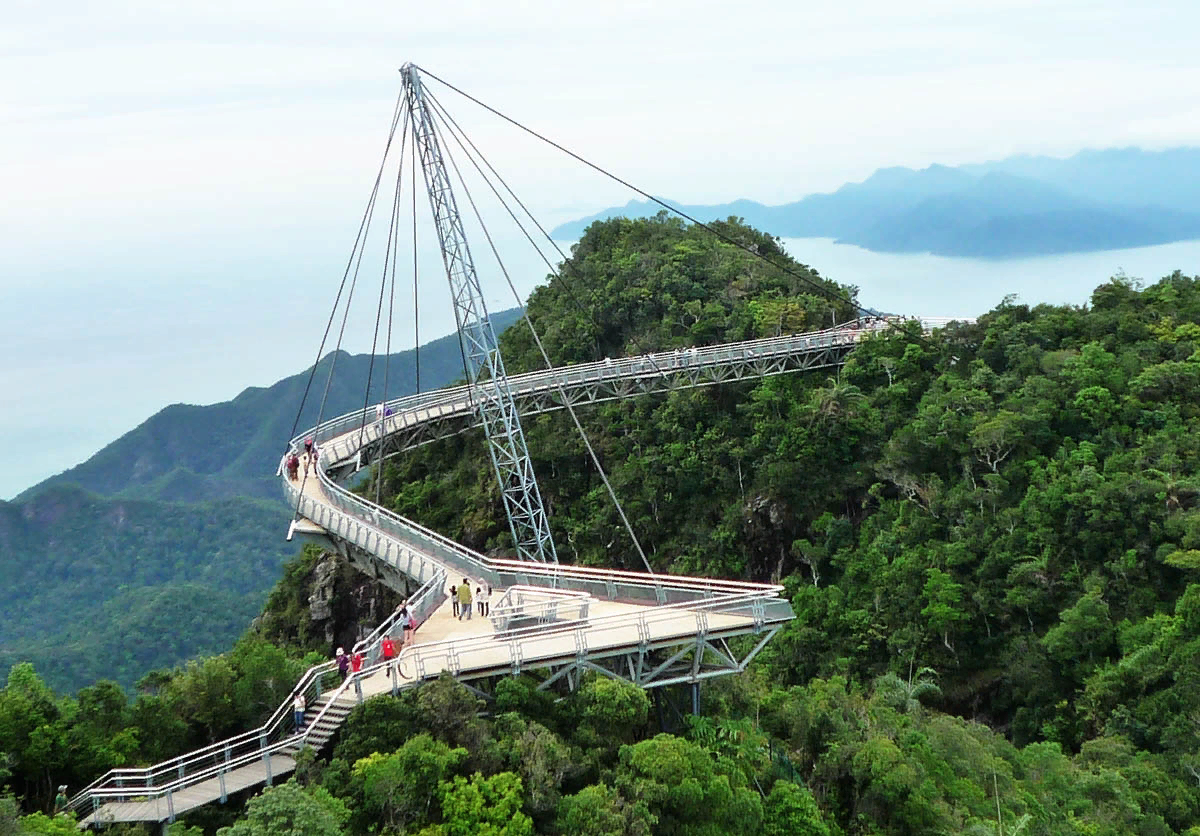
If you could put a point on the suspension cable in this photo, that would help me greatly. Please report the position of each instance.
(389, 257)
(393, 254)
(358, 239)
(346, 310)
(352, 269)
(416, 306)
(816, 286)
(537, 340)
(569, 284)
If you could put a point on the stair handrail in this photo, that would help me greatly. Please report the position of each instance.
(140, 780)
(417, 607)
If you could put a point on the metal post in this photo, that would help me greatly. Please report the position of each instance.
(696, 698)
(493, 398)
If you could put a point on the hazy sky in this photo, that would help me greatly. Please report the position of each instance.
(181, 180)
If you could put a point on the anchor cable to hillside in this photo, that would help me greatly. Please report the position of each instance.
(566, 401)
(455, 131)
(815, 286)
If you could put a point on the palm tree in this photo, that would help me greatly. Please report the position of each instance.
(837, 400)
(906, 695)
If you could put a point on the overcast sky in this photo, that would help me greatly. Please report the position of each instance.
(162, 160)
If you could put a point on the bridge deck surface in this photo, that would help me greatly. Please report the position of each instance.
(189, 798)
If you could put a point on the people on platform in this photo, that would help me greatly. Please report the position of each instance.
(464, 600)
(293, 467)
(343, 663)
(454, 598)
(389, 651)
(483, 594)
(406, 625)
(356, 662)
(61, 801)
(299, 707)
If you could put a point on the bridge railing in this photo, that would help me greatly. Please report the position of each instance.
(419, 607)
(458, 398)
(520, 647)
(218, 759)
(368, 423)
(420, 552)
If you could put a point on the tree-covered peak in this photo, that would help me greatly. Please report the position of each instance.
(653, 284)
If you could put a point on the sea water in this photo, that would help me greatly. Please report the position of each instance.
(90, 358)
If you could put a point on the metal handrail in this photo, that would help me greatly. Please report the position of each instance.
(429, 587)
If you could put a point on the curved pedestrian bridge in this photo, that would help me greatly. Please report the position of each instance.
(560, 621)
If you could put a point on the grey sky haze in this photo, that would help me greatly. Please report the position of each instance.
(162, 160)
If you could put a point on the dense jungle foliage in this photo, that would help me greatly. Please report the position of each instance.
(988, 535)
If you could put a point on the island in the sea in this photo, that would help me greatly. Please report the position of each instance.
(1019, 206)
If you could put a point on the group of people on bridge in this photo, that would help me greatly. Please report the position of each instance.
(292, 462)
(460, 595)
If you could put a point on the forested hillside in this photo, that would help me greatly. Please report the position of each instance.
(190, 453)
(988, 534)
(164, 544)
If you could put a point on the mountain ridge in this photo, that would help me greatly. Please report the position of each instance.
(164, 544)
(1094, 200)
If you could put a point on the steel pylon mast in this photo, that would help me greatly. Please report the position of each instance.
(481, 353)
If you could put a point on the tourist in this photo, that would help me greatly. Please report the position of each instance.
(454, 599)
(356, 662)
(61, 801)
(464, 600)
(406, 625)
(299, 707)
(343, 663)
(389, 651)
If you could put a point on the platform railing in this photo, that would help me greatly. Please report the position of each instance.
(219, 758)
(530, 646)
(419, 607)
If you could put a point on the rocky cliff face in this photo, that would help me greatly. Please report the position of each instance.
(323, 603)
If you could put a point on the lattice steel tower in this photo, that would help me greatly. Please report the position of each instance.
(481, 353)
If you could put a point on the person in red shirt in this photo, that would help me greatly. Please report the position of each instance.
(389, 651)
(356, 662)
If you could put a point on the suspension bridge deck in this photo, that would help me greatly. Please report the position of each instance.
(652, 630)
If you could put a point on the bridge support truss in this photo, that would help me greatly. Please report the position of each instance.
(481, 352)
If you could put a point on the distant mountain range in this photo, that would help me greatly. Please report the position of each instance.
(165, 543)
(1019, 206)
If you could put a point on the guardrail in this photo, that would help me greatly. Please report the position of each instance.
(527, 605)
(524, 646)
(160, 780)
